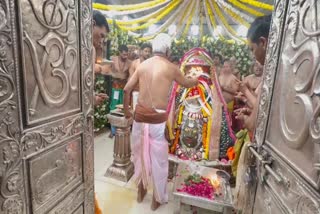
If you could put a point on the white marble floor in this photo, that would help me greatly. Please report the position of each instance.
(116, 197)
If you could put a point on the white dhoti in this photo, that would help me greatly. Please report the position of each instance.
(150, 157)
(135, 97)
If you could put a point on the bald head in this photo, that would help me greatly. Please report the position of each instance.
(161, 43)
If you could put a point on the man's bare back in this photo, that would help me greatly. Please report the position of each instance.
(230, 86)
(134, 66)
(155, 77)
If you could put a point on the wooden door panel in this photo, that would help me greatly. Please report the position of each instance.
(46, 118)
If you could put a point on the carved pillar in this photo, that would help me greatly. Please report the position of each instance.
(122, 168)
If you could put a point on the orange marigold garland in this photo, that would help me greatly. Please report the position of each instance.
(178, 131)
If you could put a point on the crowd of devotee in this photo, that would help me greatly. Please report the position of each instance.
(194, 105)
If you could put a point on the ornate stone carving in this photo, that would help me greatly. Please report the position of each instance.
(70, 203)
(269, 70)
(304, 41)
(293, 193)
(51, 58)
(307, 206)
(87, 100)
(52, 173)
(50, 42)
(40, 139)
(11, 191)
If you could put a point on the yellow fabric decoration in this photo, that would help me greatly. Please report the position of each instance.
(212, 19)
(186, 29)
(147, 18)
(237, 18)
(258, 4)
(242, 137)
(127, 7)
(245, 8)
(230, 106)
(208, 137)
(154, 19)
(225, 22)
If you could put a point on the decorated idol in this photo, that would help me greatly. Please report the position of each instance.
(199, 125)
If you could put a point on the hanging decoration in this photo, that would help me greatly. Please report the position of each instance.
(185, 14)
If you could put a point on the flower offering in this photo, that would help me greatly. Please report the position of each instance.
(200, 186)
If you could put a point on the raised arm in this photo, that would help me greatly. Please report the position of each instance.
(133, 81)
(132, 69)
(184, 81)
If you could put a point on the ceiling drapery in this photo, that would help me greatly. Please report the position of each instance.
(184, 15)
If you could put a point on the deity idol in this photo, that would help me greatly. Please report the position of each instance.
(199, 126)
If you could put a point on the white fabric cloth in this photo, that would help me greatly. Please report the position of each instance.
(135, 97)
(150, 158)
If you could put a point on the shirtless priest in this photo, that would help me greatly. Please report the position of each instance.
(145, 53)
(149, 145)
(229, 84)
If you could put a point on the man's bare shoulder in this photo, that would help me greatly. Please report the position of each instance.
(250, 76)
(114, 58)
(233, 77)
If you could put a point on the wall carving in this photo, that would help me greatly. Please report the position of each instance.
(70, 203)
(292, 192)
(51, 58)
(270, 70)
(293, 60)
(37, 140)
(51, 74)
(54, 172)
(303, 63)
(87, 101)
(11, 193)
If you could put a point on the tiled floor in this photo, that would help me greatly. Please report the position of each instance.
(116, 197)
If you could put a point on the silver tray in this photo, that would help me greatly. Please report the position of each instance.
(219, 203)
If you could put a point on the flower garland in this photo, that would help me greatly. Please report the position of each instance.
(165, 25)
(210, 27)
(208, 138)
(140, 19)
(226, 48)
(231, 32)
(100, 112)
(201, 25)
(181, 21)
(212, 20)
(213, 13)
(236, 17)
(245, 8)
(258, 4)
(156, 19)
(127, 7)
(185, 32)
(128, 12)
(226, 5)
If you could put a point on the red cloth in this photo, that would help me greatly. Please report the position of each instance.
(149, 115)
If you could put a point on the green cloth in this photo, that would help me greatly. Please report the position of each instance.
(116, 98)
(242, 137)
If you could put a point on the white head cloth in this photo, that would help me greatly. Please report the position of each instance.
(161, 43)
